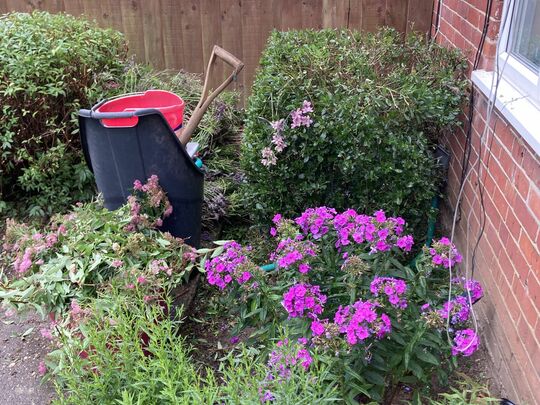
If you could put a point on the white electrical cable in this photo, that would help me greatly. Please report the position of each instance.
(485, 133)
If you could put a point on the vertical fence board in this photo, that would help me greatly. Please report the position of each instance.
(231, 35)
(312, 14)
(133, 26)
(211, 35)
(111, 14)
(291, 14)
(396, 14)
(173, 48)
(419, 16)
(373, 14)
(354, 14)
(180, 34)
(153, 35)
(191, 35)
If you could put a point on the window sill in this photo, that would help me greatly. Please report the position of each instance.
(521, 112)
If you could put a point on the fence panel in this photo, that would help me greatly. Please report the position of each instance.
(179, 34)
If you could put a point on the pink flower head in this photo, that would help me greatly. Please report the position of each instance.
(316, 221)
(228, 266)
(117, 263)
(268, 157)
(306, 107)
(75, 307)
(42, 368)
(304, 299)
(141, 279)
(317, 327)
(393, 288)
(46, 333)
(466, 342)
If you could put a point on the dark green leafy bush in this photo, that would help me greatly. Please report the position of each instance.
(50, 65)
(379, 104)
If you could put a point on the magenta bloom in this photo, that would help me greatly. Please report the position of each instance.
(466, 342)
(361, 321)
(317, 327)
(222, 269)
(316, 221)
(291, 252)
(475, 289)
(457, 309)
(304, 299)
(393, 288)
(379, 232)
(444, 253)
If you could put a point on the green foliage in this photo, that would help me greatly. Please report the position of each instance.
(76, 254)
(50, 65)
(416, 350)
(139, 358)
(380, 103)
(467, 392)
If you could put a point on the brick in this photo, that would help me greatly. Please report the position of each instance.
(530, 251)
(534, 291)
(519, 263)
(534, 201)
(531, 166)
(522, 183)
(526, 218)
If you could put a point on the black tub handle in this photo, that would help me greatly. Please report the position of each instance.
(120, 114)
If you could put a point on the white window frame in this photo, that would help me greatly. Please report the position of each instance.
(522, 76)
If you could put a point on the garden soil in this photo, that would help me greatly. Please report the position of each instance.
(21, 351)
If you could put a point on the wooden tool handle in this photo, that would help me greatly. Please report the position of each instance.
(186, 133)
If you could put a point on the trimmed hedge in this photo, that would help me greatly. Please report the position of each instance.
(380, 101)
(50, 65)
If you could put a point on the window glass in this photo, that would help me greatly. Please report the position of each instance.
(525, 33)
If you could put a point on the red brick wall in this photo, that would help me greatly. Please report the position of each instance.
(508, 257)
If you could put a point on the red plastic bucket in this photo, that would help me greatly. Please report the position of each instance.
(169, 104)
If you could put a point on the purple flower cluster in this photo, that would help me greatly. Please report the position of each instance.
(148, 205)
(457, 309)
(379, 231)
(290, 252)
(466, 342)
(475, 289)
(393, 288)
(231, 265)
(304, 300)
(316, 221)
(361, 321)
(300, 118)
(357, 322)
(444, 253)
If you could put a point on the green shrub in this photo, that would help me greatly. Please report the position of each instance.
(139, 358)
(379, 104)
(50, 65)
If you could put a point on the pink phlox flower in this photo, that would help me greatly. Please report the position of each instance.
(466, 342)
(117, 263)
(42, 368)
(268, 157)
(279, 142)
(304, 299)
(307, 107)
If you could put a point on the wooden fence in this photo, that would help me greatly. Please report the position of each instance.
(179, 34)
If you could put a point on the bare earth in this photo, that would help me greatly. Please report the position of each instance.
(20, 382)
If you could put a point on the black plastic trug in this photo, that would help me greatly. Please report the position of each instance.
(119, 156)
